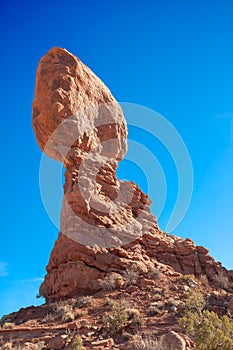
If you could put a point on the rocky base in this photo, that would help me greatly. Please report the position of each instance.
(76, 269)
(154, 300)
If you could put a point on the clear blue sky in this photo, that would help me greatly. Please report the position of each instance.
(175, 57)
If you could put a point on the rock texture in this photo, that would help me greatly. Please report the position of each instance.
(155, 299)
(106, 224)
(67, 90)
(172, 341)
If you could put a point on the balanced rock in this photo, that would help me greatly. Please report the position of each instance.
(106, 224)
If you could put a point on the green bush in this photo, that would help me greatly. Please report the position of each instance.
(206, 328)
(115, 321)
(77, 343)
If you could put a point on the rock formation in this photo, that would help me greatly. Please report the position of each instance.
(106, 224)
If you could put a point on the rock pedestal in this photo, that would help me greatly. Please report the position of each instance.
(106, 224)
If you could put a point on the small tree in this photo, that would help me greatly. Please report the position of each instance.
(208, 331)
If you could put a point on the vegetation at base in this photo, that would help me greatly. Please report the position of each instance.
(120, 316)
(77, 343)
(206, 328)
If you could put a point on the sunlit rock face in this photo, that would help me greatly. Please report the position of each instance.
(106, 225)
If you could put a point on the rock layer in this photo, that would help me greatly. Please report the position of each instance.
(106, 224)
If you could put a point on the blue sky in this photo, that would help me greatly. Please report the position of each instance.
(175, 57)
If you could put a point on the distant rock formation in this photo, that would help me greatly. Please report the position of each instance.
(106, 224)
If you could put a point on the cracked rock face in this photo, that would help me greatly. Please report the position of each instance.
(106, 224)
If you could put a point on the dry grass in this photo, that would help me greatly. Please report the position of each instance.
(153, 311)
(147, 343)
(84, 301)
(108, 283)
(188, 278)
(172, 302)
(130, 277)
(64, 312)
(155, 273)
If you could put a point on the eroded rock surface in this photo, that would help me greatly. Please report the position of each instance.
(106, 224)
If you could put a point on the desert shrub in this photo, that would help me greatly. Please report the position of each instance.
(172, 302)
(31, 346)
(135, 319)
(155, 273)
(131, 277)
(116, 320)
(195, 302)
(71, 302)
(109, 301)
(146, 344)
(68, 317)
(77, 343)
(188, 278)
(207, 329)
(48, 318)
(84, 301)
(108, 283)
(133, 313)
(63, 311)
(59, 308)
(158, 290)
(153, 311)
(214, 333)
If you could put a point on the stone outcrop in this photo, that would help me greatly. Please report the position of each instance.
(106, 224)
(172, 341)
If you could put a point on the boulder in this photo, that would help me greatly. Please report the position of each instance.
(172, 341)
